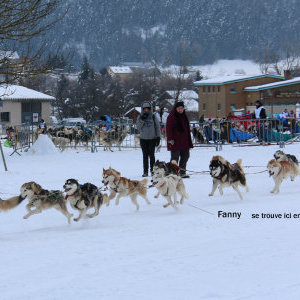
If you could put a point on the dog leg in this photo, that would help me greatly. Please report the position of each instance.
(118, 198)
(277, 185)
(215, 185)
(31, 212)
(157, 195)
(134, 201)
(236, 188)
(97, 208)
(65, 212)
(221, 190)
(110, 197)
(175, 200)
(82, 213)
(144, 196)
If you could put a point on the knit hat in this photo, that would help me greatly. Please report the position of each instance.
(146, 105)
(179, 103)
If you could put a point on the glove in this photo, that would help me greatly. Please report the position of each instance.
(157, 141)
(172, 142)
(144, 116)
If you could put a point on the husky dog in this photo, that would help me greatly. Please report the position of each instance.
(43, 199)
(225, 174)
(168, 186)
(198, 135)
(61, 142)
(113, 136)
(83, 197)
(162, 169)
(280, 170)
(279, 155)
(124, 187)
(10, 203)
(166, 168)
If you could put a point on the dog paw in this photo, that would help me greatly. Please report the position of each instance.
(25, 217)
(181, 201)
(76, 219)
(210, 194)
(155, 196)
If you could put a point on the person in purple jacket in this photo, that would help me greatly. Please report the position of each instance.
(179, 140)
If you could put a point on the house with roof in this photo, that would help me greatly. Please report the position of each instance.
(119, 72)
(275, 96)
(221, 95)
(19, 104)
(189, 98)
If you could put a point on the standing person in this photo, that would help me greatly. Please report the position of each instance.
(106, 121)
(260, 113)
(148, 126)
(179, 137)
(43, 126)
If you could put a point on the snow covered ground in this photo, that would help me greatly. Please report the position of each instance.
(157, 253)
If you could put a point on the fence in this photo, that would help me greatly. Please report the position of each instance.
(125, 135)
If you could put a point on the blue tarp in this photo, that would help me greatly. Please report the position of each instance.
(238, 135)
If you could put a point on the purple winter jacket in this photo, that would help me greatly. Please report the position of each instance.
(182, 138)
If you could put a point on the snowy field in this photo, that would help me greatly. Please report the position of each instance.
(156, 253)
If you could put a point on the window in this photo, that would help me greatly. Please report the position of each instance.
(219, 106)
(219, 89)
(204, 106)
(214, 88)
(233, 89)
(204, 89)
(208, 89)
(232, 107)
(4, 117)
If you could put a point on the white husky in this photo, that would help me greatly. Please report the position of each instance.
(168, 186)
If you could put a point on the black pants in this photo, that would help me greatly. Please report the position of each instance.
(183, 156)
(148, 148)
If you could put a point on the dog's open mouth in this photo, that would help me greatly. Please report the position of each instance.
(271, 173)
(67, 189)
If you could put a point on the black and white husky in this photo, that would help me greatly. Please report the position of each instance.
(83, 197)
(225, 174)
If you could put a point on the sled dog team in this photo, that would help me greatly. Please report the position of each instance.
(165, 179)
(84, 197)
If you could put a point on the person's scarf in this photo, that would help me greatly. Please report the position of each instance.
(180, 120)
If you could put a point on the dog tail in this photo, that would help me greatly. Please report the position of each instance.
(10, 203)
(144, 182)
(174, 162)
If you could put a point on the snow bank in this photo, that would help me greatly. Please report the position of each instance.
(43, 145)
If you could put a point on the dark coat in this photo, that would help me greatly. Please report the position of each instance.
(178, 129)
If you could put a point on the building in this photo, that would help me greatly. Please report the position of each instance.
(133, 113)
(189, 98)
(119, 72)
(220, 96)
(19, 104)
(275, 96)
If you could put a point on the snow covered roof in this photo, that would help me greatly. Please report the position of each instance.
(232, 78)
(138, 109)
(9, 54)
(189, 104)
(273, 85)
(12, 92)
(120, 70)
(184, 94)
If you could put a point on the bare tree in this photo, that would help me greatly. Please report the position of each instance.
(20, 22)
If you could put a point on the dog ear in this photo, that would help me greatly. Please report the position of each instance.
(36, 188)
